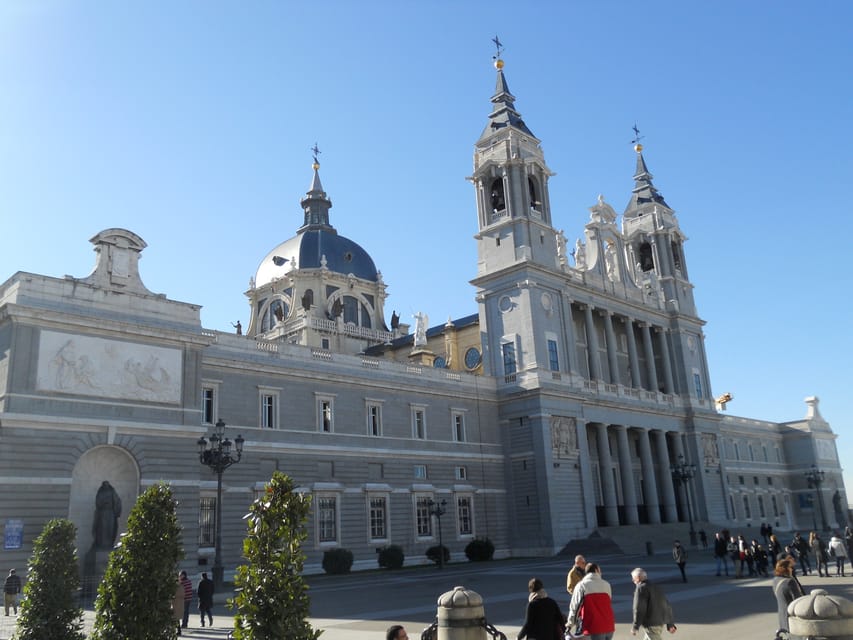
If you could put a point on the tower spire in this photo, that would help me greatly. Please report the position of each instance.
(644, 191)
(316, 203)
(503, 113)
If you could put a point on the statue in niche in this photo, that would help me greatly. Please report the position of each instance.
(307, 299)
(107, 512)
(337, 308)
(610, 261)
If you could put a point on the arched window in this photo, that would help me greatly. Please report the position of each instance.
(534, 194)
(497, 198)
(647, 262)
(676, 255)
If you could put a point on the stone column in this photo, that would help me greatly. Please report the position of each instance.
(459, 614)
(650, 484)
(612, 357)
(608, 486)
(629, 492)
(667, 491)
(636, 379)
(821, 615)
(651, 370)
(591, 344)
(571, 348)
(668, 384)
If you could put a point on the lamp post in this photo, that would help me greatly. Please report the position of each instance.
(438, 509)
(218, 457)
(682, 473)
(814, 476)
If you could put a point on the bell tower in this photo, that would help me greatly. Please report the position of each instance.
(511, 183)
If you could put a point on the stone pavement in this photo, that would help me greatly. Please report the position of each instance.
(361, 606)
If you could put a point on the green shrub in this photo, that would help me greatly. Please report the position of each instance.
(337, 561)
(438, 552)
(272, 597)
(479, 550)
(49, 608)
(391, 557)
(135, 597)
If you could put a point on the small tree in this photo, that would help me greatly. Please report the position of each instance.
(272, 601)
(49, 608)
(135, 597)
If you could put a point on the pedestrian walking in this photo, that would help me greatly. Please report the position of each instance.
(11, 589)
(721, 552)
(703, 538)
(679, 554)
(396, 632)
(591, 608)
(178, 604)
(820, 552)
(802, 547)
(838, 550)
(651, 609)
(205, 591)
(187, 585)
(543, 619)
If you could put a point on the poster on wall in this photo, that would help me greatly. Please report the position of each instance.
(14, 534)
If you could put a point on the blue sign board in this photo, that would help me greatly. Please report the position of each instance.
(14, 535)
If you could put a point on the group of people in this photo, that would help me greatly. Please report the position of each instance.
(591, 610)
(183, 599)
(751, 558)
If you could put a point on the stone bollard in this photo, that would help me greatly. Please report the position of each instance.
(461, 615)
(820, 615)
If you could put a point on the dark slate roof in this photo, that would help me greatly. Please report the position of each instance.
(409, 339)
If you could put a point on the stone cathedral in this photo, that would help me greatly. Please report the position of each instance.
(561, 406)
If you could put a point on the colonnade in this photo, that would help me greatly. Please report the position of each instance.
(655, 500)
(651, 337)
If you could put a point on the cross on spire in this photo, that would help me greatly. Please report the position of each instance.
(498, 47)
(315, 149)
(637, 136)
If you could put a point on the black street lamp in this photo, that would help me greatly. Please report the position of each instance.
(438, 509)
(219, 457)
(682, 473)
(814, 476)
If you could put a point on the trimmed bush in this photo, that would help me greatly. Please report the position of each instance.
(49, 608)
(337, 561)
(391, 557)
(272, 596)
(479, 550)
(435, 554)
(135, 597)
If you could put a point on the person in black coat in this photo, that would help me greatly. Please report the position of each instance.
(543, 619)
(205, 598)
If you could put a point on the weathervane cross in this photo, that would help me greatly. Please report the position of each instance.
(637, 136)
(498, 46)
(317, 152)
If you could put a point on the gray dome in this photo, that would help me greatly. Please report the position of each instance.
(308, 248)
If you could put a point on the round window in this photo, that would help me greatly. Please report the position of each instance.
(472, 358)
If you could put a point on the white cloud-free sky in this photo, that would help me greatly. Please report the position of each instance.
(190, 123)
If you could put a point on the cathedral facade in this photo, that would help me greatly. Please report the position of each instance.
(575, 396)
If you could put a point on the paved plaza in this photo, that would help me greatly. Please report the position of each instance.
(361, 606)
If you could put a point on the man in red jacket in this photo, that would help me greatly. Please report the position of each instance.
(591, 605)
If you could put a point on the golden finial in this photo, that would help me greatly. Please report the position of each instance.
(499, 64)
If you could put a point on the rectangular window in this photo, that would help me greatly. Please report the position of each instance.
(268, 411)
(378, 518)
(746, 511)
(208, 405)
(761, 513)
(740, 480)
(423, 517)
(697, 383)
(775, 506)
(769, 481)
(461, 473)
(463, 516)
(553, 357)
(327, 519)
(508, 351)
(418, 423)
(325, 414)
(207, 522)
(374, 419)
(459, 426)
(420, 472)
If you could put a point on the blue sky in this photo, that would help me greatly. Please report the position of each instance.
(190, 123)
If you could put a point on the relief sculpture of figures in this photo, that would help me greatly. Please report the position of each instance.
(421, 321)
(107, 512)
